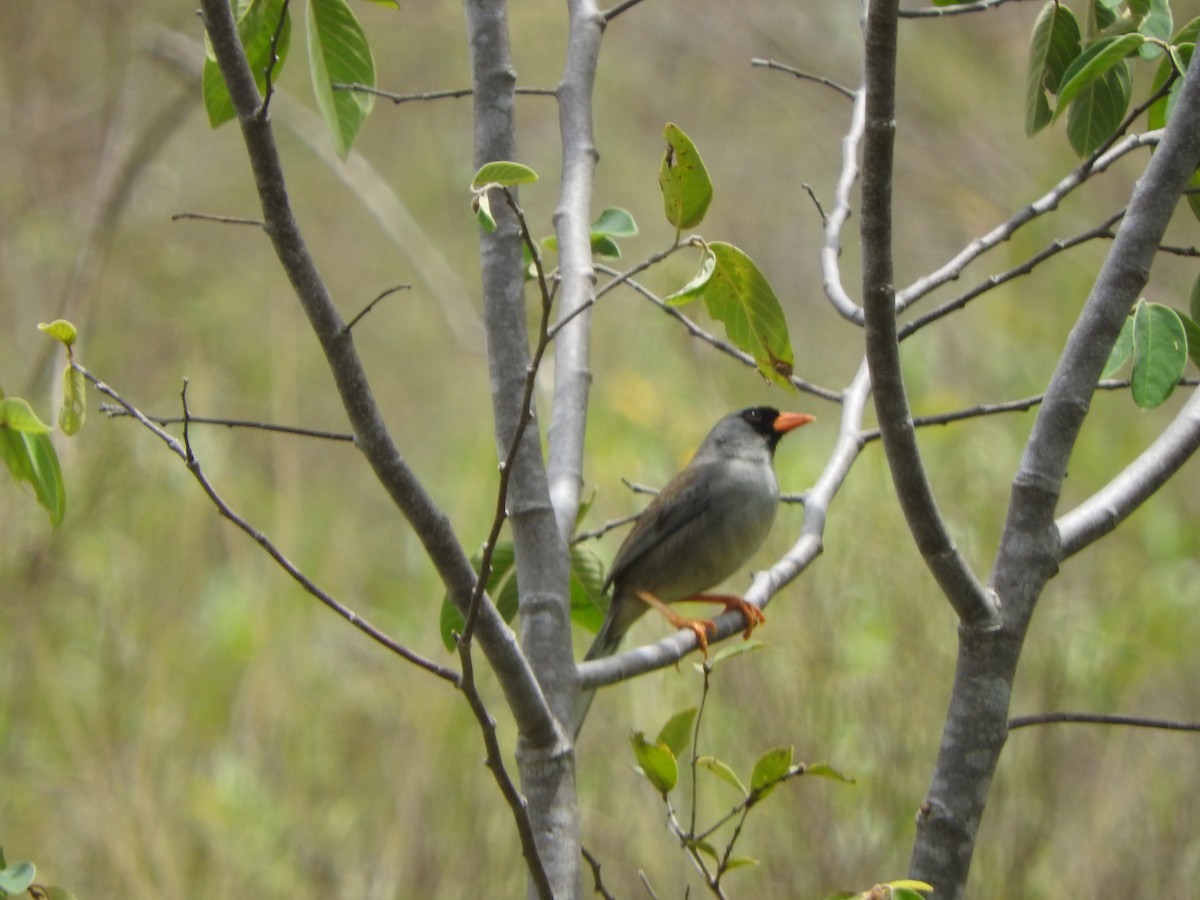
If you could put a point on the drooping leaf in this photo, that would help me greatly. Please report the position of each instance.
(16, 414)
(504, 173)
(1098, 109)
(1121, 351)
(1054, 43)
(656, 761)
(482, 205)
(769, 768)
(60, 330)
(686, 187)
(722, 771)
(338, 53)
(1159, 353)
(1093, 64)
(677, 732)
(737, 294)
(30, 456)
(74, 403)
(695, 287)
(261, 32)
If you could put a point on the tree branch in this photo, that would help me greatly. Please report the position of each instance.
(1108, 507)
(429, 523)
(971, 601)
(576, 294)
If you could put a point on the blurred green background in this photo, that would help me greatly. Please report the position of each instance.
(180, 721)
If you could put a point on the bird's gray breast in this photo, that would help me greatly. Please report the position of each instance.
(741, 500)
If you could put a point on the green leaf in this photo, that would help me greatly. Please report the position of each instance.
(60, 329)
(1192, 331)
(677, 733)
(909, 884)
(501, 587)
(722, 771)
(603, 245)
(738, 862)
(17, 878)
(903, 893)
(1093, 64)
(731, 650)
(1159, 112)
(338, 53)
(483, 213)
(824, 770)
(704, 847)
(588, 602)
(74, 406)
(686, 187)
(503, 173)
(615, 222)
(695, 287)
(656, 761)
(257, 22)
(1121, 351)
(769, 768)
(30, 456)
(1098, 109)
(1159, 353)
(1157, 24)
(17, 415)
(739, 295)
(1054, 43)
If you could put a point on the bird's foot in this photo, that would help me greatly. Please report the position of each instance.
(754, 615)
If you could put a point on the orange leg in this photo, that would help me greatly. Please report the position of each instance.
(701, 627)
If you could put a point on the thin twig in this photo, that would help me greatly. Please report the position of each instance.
(611, 13)
(370, 306)
(1099, 719)
(269, 69)
(183, 451)
(594, 863)
(224, 220)
(449, 94)
(116, 412)
(804, 76)
(707, 337)
(937, 12)
(1103, 230)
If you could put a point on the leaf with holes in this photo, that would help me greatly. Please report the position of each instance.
(683, 179)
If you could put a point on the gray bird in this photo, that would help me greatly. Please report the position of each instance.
(707, 521)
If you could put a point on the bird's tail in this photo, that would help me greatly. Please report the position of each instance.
(605, 644)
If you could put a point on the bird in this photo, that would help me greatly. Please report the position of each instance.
(703, 525)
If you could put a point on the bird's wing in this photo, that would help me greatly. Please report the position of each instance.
(660, 522)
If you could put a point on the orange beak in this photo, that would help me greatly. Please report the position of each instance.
(785, 422)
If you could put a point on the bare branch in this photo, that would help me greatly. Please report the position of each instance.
(115, 412)
(1108, 507)
(370, 306)
(839, 214)
(577, 278)
(938, 12)
(223, 220)
(449, 94)
(184, 451)
(1052, 718)
(974, 604)
(803, 76)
